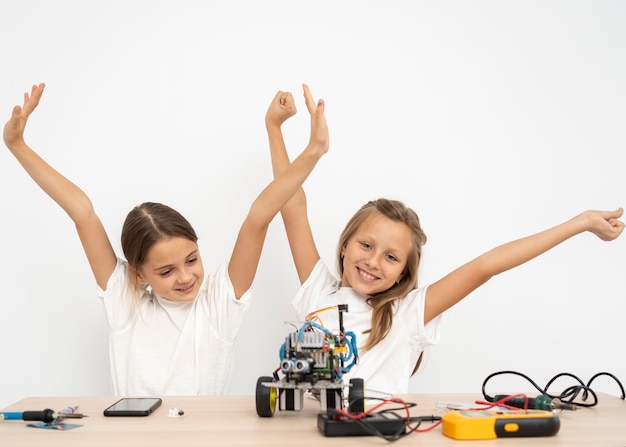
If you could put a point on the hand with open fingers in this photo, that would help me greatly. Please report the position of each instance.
(14, 128)
(319, 129)
(605, 224)
(281, 108)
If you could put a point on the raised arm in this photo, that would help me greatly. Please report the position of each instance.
(451, 289)
(247, 252)
(294, 213)
(72, 199)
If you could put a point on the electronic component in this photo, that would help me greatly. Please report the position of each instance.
(485, 424)
(383, 423)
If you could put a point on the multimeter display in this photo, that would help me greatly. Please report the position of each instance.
(491, 424)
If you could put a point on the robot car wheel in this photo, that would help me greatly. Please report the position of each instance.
(265, 397)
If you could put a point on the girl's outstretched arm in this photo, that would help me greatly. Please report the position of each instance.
(451, 289)
(72, 199)
(247, 252)
(294, 213)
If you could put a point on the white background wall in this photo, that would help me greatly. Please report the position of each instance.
(492, 119)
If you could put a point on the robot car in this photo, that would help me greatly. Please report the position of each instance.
(313, 359)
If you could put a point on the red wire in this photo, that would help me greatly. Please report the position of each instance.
(501, 403)
(418, 430)
(411, 429)
(376, 407)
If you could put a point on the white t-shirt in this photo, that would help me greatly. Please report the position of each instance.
(386, 367)
(168, 347)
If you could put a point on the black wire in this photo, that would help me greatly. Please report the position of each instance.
(370, 428)
(401, 433)
(419, 420)
(568, 395)
(621, 387)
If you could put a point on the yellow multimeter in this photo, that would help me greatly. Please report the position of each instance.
(491, 424)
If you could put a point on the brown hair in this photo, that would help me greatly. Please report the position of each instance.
(382, 302)
(147, 224)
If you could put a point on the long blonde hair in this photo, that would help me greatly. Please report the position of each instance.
(382, 302)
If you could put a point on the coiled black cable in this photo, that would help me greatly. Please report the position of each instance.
(569, 394)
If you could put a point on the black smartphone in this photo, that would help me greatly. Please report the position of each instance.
(133, 406)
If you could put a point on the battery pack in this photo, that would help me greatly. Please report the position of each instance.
(376, 424)
(485, 424)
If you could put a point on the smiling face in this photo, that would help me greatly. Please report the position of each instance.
(375, 256)
(173, 269)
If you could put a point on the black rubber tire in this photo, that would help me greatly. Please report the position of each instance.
(265, 397)
(356, 396)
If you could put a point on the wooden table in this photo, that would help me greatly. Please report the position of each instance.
(232, 421)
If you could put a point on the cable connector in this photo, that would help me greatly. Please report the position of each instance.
(556, 404)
